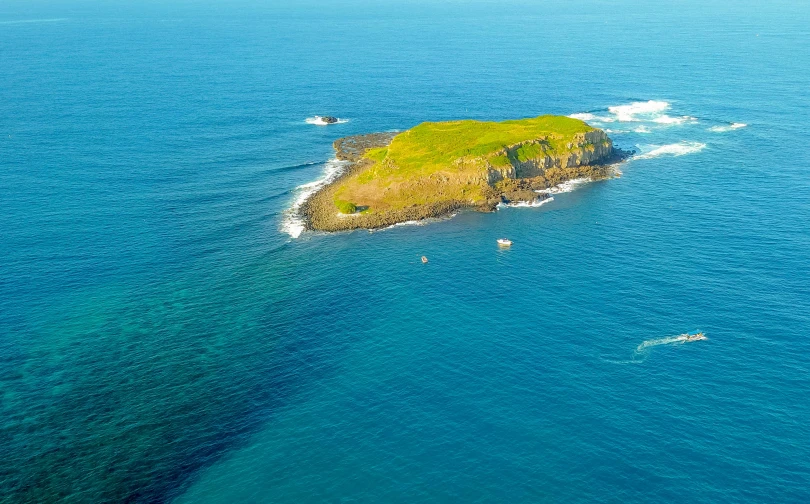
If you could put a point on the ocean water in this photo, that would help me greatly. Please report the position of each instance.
(167, 333)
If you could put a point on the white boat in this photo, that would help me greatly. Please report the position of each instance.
(503, 242)
(686, 337)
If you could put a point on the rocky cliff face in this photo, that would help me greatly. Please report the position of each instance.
(533, 158)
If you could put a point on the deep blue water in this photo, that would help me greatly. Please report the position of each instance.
(163, 338)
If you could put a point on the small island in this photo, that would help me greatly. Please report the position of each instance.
(437, 168)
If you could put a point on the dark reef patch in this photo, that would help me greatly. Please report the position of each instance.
(124, 396)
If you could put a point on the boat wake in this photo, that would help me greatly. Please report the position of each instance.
(625, 361)
(671, 340)
(643, 350)
(293, 222)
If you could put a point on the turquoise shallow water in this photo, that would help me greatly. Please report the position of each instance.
(163, 338)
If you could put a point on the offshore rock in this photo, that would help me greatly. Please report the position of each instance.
(409, 176)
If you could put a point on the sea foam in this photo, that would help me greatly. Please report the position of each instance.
(420, 222)
(525, 204)
(567, 186)
(293, 222)
(638, 111)
(651, 112)
(676, 149)
(587, 116)
(665, 119)
(729, 127)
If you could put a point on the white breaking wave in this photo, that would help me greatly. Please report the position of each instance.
(665, 119)
(632, 111)
(525, 204)
(409, 223)
(723, 129)
(420, 222)
(565, 187)
(650, 112)
(677, 149)
(587, 116)
(318, 121)
(293, 223)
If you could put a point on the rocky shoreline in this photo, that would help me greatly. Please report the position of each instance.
(519, 183)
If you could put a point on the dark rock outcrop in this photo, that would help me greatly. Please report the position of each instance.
(352, 148)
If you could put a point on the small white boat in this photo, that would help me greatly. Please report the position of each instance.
(424, 260)
(687, 337)
(503, 242)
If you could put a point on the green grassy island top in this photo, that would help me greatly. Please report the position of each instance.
(435, 145)
(437, 167)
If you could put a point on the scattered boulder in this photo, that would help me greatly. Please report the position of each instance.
(329, 119)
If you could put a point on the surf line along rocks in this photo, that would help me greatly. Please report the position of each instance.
(435, 169)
